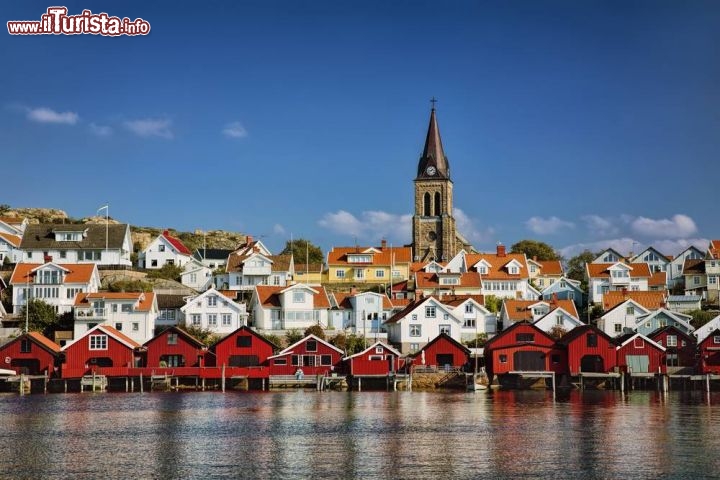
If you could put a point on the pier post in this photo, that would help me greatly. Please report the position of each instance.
(141, 383)
(46, 383)
(622, 382)
(22, 384)
(65, 385)
(127, 381)
(222, 378)
(359, 384)
(707, 382)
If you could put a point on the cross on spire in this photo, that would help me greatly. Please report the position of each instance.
(433, 101)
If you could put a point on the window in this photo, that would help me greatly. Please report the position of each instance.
(25, 345)
(98, 342)
(153, 263)
(630, 310)
(135, 326)
(379, 349)
(298, 297)
(716, 339)
(429, 312)
(638, 342)
(414, 347)
(416, 330)
(712, 279)
(276, 279)
(414, 317)
(359, 273)
(126, 307)
(469, 323)
(118, 327)
(503, 358)
(672, 340)
(311, 346)
(340, 273)
(524, 337)
(226, 319)
(469, 308)
(696, 280)
(482, 269)
(446, 316)
(212, 301)
(325, 360)
(559, 320)
(379, 273)
(172, 338)
(244, 341)
(591, 340)
(445, 329)
(195, 319)
(212, 319)
(618, 327)
(513, 270)
(281, 361)
(161, 248)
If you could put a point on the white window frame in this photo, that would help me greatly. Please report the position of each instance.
(98, 342)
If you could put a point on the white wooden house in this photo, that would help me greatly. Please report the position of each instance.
(215, 311)
(276, 309)
(131, 313)
(164, 250)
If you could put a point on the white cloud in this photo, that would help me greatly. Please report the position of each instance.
(278, 229)
(679, 226)
(547, 226)
(150, 127)
(234, 130)
(467, 227)
(674, 247)
(623, 246)
(598, 225)
(371, 225)
(46, 115)
(100, 130)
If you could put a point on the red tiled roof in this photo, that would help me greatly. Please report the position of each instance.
(268, 296)
(550, 267)
(13, 240)
(45, 342)
(714, 249)
(144, 306)
(519, 310)
(176, 243)
(658, 279)
(650, 300)
(497, 270)
(456, 300)
(432, 280)
(600, 270)
(119, 335)
(400, 302)
(12, 220)
(386, 255)
(77, 272)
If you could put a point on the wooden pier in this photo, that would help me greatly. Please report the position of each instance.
(97, 383)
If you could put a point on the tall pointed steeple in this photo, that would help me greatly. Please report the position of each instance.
(433, 163)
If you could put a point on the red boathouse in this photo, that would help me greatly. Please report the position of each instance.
(638, 354)
(680, 349)
(100, 350)
(709, 351)
(174, 347)
(588, 350)
(377, 360)
(311, 355)
(243, 348)
(31, 354)
(442, 352)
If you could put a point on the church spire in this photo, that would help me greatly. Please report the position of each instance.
(433, 163)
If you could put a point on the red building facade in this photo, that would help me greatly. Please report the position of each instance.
(680, 348)
(442, 351)
(174, 347)
(709, 354)
(589, 350)
(311, 355)
(378, 359)
(523, 348)
(102, 350)
(243, 348)
(638, 354)
(31, 354)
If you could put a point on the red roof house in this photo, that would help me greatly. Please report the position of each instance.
(311, 354)
(709, 352)
(243, 348)
(680, 348)
(32, 354)
(636, 353)
(174, 347)
(589, 350)
(378, 359)
(102, 350)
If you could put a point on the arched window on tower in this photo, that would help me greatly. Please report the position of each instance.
(437, 204)
(427, 211)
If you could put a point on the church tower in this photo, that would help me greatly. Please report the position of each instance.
(434, 234)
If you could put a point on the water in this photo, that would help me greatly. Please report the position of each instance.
(397, 435)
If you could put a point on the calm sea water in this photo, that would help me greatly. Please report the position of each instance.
(396, 435)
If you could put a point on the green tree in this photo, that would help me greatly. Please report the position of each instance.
(701, 317)
(133, 285)
(274, 339)
(205, 335)
(4, 208)
(167, 271)
(40, 315)
(293, 336)
(302, 249)
(557, 332)
(534, 248)
(316, 330)
(479, 341)
(576, 267)
(493, 303)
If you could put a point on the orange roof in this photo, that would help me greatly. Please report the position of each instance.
(119, 335)
(432, 280)
(658, 279)
(550, 267)
(77, 272)
(242, 253)
(231, 294)
(144, 306)
(400, 302)
(650, 300)
(456, 300)
(519, 310)
(12, 220)
(600, 270)
(714, 249)
(497, 270)
(44, 341)
(269, 296)
(386, 255)
(13, 240)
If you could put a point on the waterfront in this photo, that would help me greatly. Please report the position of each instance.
(306, 434)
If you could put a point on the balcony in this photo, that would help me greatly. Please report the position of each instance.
(90, 313)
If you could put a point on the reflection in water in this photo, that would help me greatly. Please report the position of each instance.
(398, 435)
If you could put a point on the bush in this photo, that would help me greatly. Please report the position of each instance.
(204, 335)
(480, 341)
(167, 271)
(316, 330)
(293, 336)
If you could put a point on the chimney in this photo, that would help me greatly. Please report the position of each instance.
(248, 239)
(554, 298)
(500, 250)
(383, 243)
(419, 294)
(353, 291)
(166, 232)
(534, 258)
(624, 293)
(48, 258)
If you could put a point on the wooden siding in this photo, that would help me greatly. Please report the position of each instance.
(158, 349)
(228, 350)
(656, 357)
(578, 349)
(78, 356)
(43, 359)
(375, 361)
(507, 344)
(442, 346)
(301, 352)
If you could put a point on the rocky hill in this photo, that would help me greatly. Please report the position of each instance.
(141, 236)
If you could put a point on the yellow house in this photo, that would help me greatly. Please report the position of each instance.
(544, 273)
(359, 265)
(309, 274)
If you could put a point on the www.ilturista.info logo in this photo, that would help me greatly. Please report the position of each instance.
(57, 22)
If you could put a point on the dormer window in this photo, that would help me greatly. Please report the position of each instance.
(482, 269)
(513, 270)
(298, 297)
(161, 248)
(359, 258)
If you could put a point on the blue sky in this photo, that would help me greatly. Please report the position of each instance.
(580, 124)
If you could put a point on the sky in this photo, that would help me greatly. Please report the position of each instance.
(586, 124)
